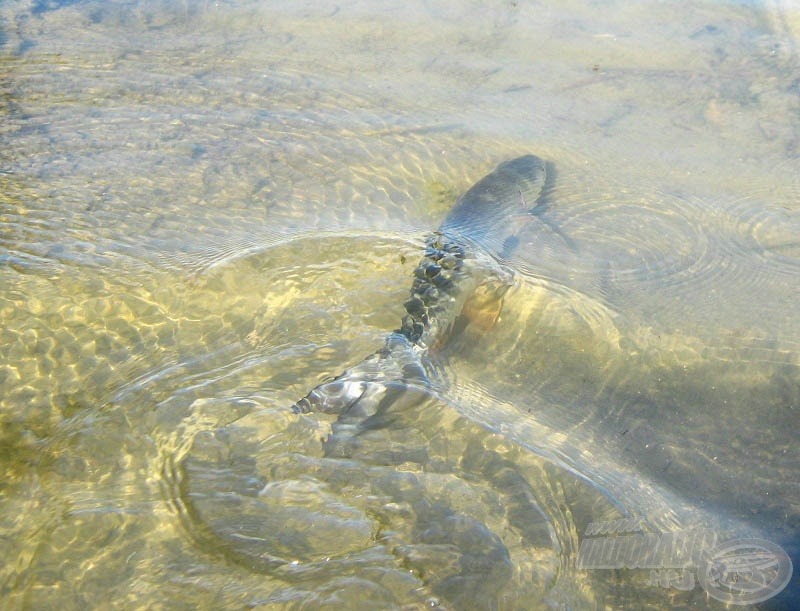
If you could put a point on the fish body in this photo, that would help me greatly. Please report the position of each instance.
(458, 270)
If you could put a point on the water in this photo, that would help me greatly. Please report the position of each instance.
(209, 208)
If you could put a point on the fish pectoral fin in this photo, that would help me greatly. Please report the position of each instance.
(483, 307)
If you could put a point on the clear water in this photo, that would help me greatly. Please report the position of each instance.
(209, 208)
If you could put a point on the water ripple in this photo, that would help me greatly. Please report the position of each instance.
(772, 234)
(423, 516)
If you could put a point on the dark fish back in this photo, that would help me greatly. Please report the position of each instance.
(488, 212)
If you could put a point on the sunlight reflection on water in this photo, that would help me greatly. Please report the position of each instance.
(207, 209)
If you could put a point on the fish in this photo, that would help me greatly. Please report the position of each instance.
(458, 281)
(238, 502)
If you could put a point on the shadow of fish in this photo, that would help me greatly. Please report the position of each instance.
(458, 282)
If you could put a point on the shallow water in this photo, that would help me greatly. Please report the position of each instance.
(209, 208)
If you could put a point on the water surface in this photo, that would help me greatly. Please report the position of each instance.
(209, 208)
